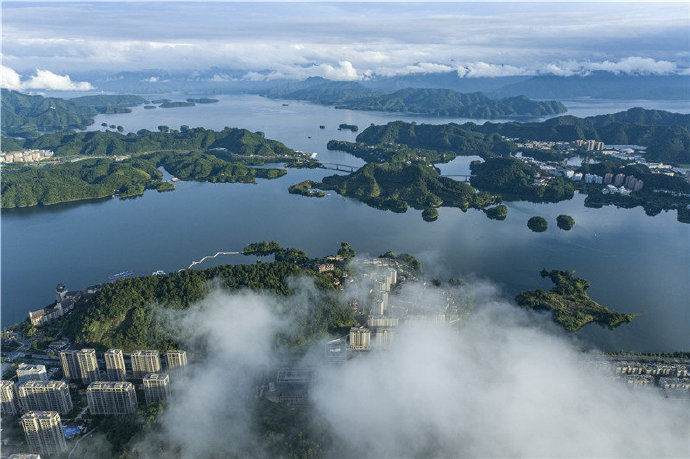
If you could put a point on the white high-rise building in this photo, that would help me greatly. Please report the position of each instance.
(360, 339)
(43, 431)
(27, 372)
(176, 359)
(9, 397)
(156, 387)
(45, 396)
(111, 397)
(115, 365)
(145, 362)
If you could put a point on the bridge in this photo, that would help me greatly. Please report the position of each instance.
(458, 177)
(338, 167)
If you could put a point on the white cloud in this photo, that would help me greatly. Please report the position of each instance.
(42, 79)
(628, 65)
(152, 79)
(483, 69)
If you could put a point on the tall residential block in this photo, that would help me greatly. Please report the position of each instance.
(9, 397)
(145, 362)
(111, 397)
(360, 338)
(45, 396)
(115, 365)
(43, 431)
(70, 366)
(176, 359)
(88, 365)
(156, 387)
(27, 372)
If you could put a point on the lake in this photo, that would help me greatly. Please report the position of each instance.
(634, 262)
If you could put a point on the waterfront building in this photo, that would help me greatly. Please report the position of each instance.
(145, 362)
(618, 179)
(608, 178)
(360, 338)
(9, 398)
(111, 397)
(156, 387)
(176, 359)
(25, 456)
(115, 365)
(45, 396)
(383, 338)
(43, 431)
(27, 372)
(638, 185)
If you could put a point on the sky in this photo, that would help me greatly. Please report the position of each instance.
(342, 41)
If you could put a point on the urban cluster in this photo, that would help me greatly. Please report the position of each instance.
(107, 393)
(25, 156)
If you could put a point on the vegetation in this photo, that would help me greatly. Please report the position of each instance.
(104, 143)
(395, 186)
(569, 303)
(443, 138)
(123, 314)
(499, 212)
(435, 102)
(406, 258)
(666, 135)
(515, 179)
(430, 214)
(25, 116)
(306, 189)
(203, 100)
(446, 102)
(537, 224)
(391, 152)
(351, 127)
(26, 186)
(565, 222)
(176, 104)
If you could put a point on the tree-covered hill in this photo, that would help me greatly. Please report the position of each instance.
(236, 141)
(395, 186)
(446, 102)
(441, 137)
(26, 115)
(429, 101)
(568, 301)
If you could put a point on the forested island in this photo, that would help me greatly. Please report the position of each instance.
(189, 154)
(427, 101)
(395, 186)
(25, 116)
(569, 303)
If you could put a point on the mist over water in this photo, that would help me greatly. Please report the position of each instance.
(504, 382)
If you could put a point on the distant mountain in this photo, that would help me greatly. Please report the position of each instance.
(446, 102)
(429, 101)
(600, 85)
(25, 115)
(322, 91)
(444, 80)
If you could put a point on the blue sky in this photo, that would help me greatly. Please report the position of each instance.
(347, 40)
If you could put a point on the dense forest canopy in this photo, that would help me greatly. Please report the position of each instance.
(24, 115)
(429, 101)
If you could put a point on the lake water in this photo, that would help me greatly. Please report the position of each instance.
(635, 263)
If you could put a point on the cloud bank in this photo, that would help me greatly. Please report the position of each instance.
(42, 79)
(505, 383)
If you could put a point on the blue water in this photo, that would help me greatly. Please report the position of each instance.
(635, 263)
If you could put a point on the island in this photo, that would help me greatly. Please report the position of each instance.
(537, 224)
(203, 100)
(427, 101)
(430, 214)
(395, 186)
(176, 104)
(306, 188)
(350, 127)
(565, 222)
(499, 212)
(569, 303)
